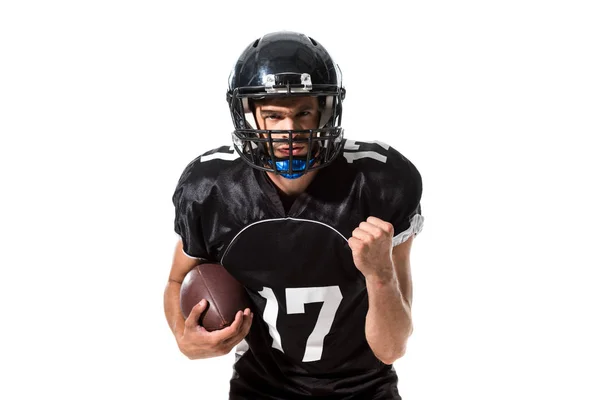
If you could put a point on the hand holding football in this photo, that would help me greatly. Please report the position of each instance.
(225, 295)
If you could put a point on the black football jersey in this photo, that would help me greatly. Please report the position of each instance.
(309, 299)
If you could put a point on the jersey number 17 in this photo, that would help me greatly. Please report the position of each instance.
(296, 298)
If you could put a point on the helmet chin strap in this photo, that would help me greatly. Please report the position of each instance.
(300, 166)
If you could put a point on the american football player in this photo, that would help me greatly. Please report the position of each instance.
(317, 227)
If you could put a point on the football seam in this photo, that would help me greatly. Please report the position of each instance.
(211, 296)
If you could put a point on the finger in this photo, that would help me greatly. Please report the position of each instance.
(248, 317)
(237, 322)
(192, 320)
(231, 330)
(377, 231)
(355, 244)
(386, 226)
(370, 228)
(362, 234)
(243, 331)
(246, 322)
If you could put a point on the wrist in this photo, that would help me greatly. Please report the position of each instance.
(381, 280)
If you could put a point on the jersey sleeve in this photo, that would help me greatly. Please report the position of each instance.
(413, 225)
(188, 223)
(405, 198)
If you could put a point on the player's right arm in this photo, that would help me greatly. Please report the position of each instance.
(193, 340)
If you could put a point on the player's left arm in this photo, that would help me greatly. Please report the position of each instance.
(389, 286)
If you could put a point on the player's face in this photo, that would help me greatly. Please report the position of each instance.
(288, 113)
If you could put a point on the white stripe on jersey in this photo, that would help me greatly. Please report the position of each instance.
(279, 219)
(416, 226)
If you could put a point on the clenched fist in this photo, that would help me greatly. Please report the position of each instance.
(371, 245)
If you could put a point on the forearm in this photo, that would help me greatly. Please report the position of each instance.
(173, 308)
(389, 323)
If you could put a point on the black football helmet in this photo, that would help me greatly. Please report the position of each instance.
(286, 64)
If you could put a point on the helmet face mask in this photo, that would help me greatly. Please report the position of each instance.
(286, 64)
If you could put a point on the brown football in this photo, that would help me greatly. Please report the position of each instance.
(225, 295)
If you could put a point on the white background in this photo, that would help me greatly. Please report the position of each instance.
(102, 104)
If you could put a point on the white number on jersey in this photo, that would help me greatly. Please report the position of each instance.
(231, 155)
(356, 155)
(296, 298)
